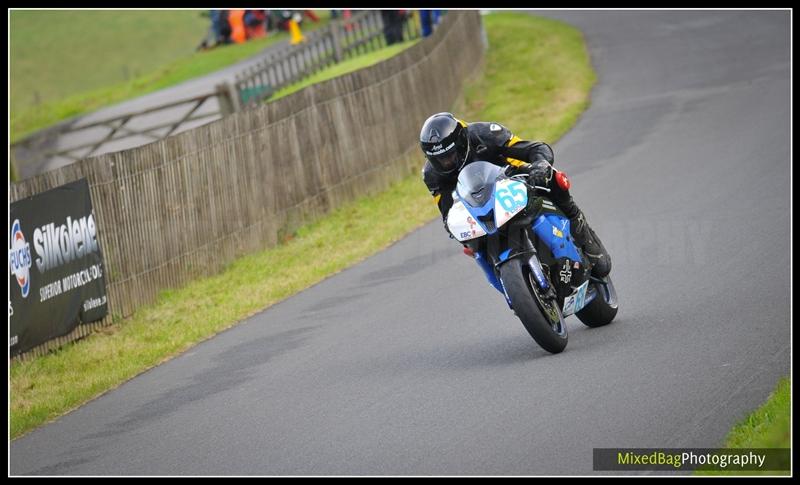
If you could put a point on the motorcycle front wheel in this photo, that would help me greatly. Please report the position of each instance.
(541, 317)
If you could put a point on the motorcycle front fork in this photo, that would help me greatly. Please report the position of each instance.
(533, 262)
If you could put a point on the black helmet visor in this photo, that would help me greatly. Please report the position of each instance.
(447, 162)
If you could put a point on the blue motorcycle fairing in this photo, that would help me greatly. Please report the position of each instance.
(554, 230)
(486, 266)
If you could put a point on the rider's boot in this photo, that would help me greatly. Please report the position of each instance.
(592, 246)
(584, 236)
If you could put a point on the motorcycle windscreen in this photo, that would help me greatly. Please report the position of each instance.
(476, 183)
(475, 189)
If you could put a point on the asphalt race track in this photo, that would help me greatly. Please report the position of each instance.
(409, 363)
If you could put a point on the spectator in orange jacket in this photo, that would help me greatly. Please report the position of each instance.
(238, 32)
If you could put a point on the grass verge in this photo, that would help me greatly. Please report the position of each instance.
(769, 426)
(508, 92)
(344, 67)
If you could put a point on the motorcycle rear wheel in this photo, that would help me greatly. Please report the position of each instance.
(602, 310)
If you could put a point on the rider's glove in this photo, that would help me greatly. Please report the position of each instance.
(541, 172)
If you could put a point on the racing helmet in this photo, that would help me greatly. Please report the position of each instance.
(445, 143)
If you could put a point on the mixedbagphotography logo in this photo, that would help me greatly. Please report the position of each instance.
(19, 258)
(718, 459)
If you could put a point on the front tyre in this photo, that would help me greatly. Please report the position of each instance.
(603, 308)
(541, 317)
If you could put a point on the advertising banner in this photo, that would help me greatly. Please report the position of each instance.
(56, 266)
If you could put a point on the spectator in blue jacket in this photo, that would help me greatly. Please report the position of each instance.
(428, 19)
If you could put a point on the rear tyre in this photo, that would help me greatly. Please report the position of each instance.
(541, 317)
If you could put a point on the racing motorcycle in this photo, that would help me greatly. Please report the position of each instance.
(533, 259)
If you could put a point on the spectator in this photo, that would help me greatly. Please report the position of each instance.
(254, 23)
(222, 29)
(236, 21)
(279, 19)
(219, 32)
(206, 43)
(393, 25)
(270, 20)
(346, 16)
(238, 26)
(428, 19)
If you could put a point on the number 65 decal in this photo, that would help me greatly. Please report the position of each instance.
(512, 196)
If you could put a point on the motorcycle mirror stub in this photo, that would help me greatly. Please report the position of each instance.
(562, 180)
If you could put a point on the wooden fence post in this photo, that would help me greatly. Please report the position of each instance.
(228, 99)
(336, 25)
